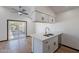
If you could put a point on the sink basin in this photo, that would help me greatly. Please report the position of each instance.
(48, 35)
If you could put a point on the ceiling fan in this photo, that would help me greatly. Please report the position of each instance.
(20, 11)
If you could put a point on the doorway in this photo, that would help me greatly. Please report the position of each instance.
(16, 29)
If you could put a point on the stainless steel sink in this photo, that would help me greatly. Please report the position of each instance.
(48, 34)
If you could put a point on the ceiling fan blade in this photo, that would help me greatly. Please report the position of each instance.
(26, 13)
(19, 11)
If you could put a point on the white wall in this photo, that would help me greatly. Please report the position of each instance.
(6, 14)
(68, 23)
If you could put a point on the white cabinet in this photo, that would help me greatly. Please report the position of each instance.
(50, 45)
(42, 17)
(38, 17)
(53, 44)
(45, 46)
(51, 19)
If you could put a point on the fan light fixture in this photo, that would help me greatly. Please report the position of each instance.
(19, 13)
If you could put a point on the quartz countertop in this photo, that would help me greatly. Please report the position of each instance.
(42, 37)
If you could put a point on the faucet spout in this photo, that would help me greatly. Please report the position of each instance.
(47, 30)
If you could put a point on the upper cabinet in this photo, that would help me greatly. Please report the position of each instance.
(51, 19)
(43, 17)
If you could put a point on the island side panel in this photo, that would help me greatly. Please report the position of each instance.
(37, 45)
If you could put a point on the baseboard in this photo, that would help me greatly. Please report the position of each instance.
(3, 40)
(70, 47)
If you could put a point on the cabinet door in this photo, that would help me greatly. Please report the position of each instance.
(44, 18)
(55, 42)
(51, 45)
(51, 19)
(41, 17)
(46, 46)
(38, 17)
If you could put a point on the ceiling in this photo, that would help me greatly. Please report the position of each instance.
(60, 9)
(12, 8)
(56, 9)
(16, 9)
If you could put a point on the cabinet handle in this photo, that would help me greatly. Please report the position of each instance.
(54, 43)
(46, 42)
(42, 18)
(48, 47)
(52, 20)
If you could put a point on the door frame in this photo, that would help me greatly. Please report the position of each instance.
(16, 21)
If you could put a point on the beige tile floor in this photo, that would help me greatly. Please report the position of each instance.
(25, 46)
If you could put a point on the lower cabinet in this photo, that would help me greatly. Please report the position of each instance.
(45, 46)
(50, 45)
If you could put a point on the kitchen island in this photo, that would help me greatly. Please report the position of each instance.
(45, 44)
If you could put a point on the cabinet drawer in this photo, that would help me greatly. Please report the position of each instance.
(46, 41)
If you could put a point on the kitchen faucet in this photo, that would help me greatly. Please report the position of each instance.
(46, 30)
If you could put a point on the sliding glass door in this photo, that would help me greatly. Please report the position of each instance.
(17, 29)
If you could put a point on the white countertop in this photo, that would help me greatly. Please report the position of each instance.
(42, 37)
